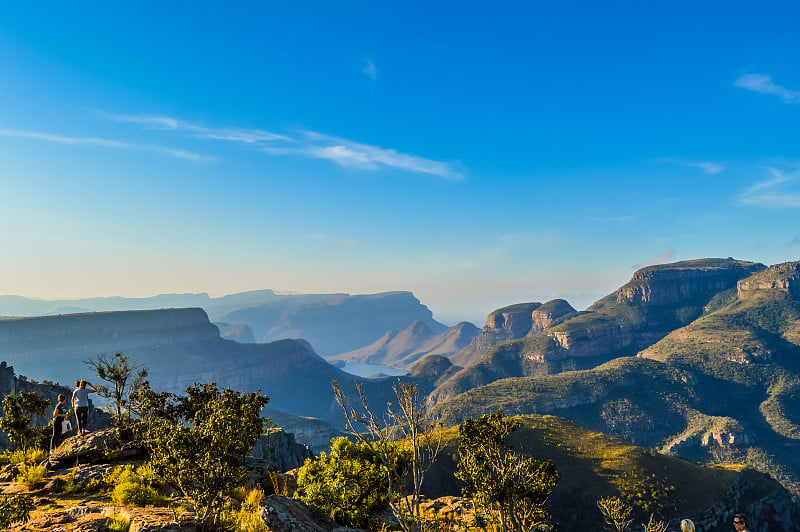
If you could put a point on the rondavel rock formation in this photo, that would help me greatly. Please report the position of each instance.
(656, 301)
(512, 322)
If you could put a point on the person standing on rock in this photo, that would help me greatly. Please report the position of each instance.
(80, 403)
(59, 415)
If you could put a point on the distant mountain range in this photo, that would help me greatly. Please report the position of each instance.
(698, 358)
(332, 323)
(403, 349)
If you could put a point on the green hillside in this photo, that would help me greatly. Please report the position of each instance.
(594, 465)
(725, 387)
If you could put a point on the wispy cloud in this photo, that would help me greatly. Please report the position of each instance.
(349, 153)
(707, 167)
(310, 144)
(248, 136)
(661, 259)
(370, 69)
(763, 84)
(773, 193)
(105, 143)
(623, 218)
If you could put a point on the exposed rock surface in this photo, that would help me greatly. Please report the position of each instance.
(657, 300)
(784, 277)
(280, 450)
(507, 323)
(282, 514)
(309, 431)
(667, 284)
(84, 448)
(549, 314)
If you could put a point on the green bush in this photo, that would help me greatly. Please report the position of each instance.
(31, 475)
(14, 508)
(350, 483)
(132, 489)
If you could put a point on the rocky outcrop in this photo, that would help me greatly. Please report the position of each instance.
(681, 282)
(280, 450)
(549, 314)
(282, 514)
(782, 277)
(507, 323)
(595, 342)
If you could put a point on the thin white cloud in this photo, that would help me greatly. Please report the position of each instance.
(772, 193)
(661, 259)
(370, 69)
(247, 136)
(344, 152)
(105, 143)
(707, 167)
(355, 154)
(763, 84)
(613, 219)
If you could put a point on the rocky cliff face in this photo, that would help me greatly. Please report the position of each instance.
(782, 277)
(503, 324)
(656, 301)
(685, 281)
(280, 450)
(117, 330)
(549, 314)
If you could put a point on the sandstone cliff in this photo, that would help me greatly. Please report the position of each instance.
(656, 301)
(782, 277)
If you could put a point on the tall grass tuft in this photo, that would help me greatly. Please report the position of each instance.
(31, 475)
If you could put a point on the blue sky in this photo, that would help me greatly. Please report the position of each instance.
(478, 155)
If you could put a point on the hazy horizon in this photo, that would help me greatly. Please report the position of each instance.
(475, 155)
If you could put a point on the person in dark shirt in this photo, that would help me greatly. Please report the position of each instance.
(59, 415)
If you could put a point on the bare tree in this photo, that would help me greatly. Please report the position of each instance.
(654, 526)
(615, 513)
(410, 421)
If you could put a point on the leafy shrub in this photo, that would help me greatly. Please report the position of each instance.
(31, 475)
(28, 456)
(14, 508)
(132, 489)
(350, 483)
